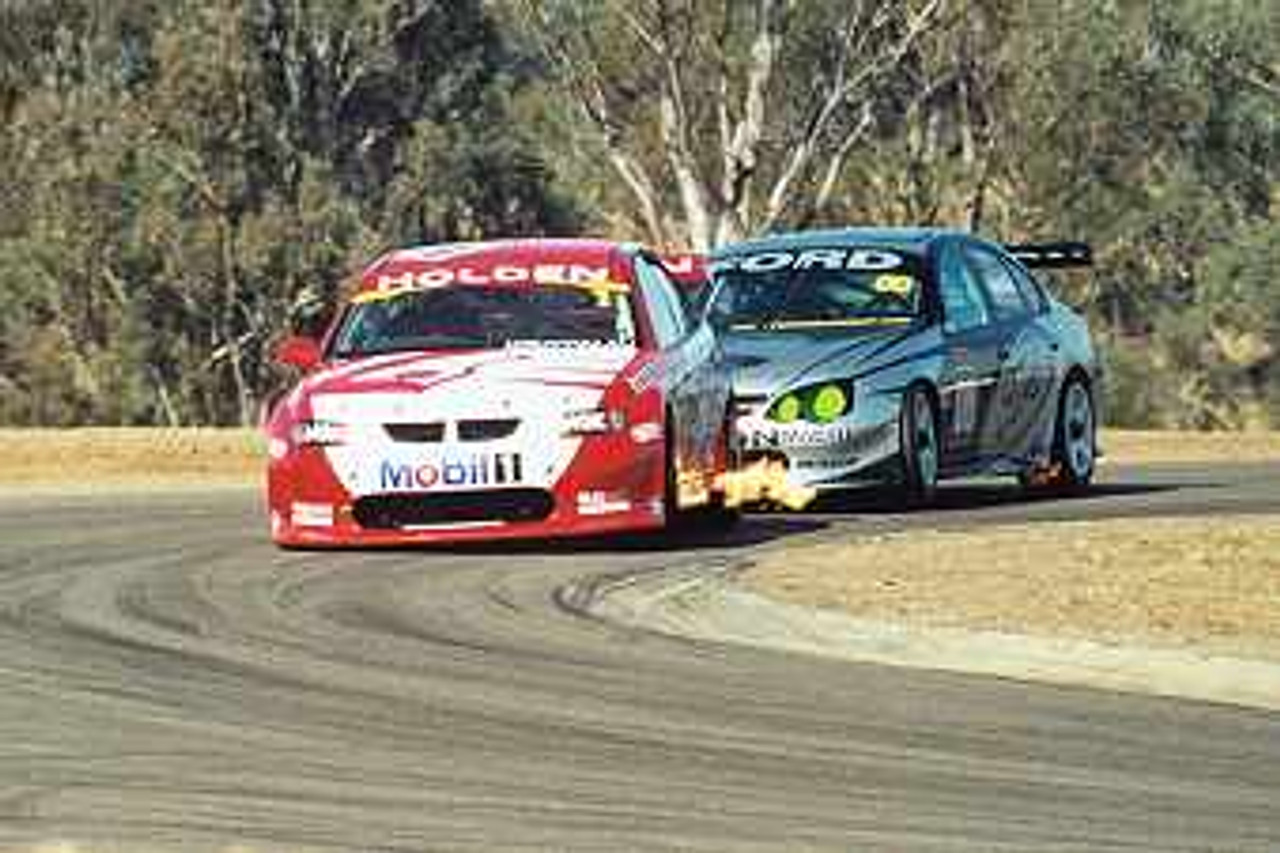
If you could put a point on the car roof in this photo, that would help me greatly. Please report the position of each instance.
(480, 262)
(908, 239)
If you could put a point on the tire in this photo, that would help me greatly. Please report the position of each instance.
(717, 515)
(673, 518)
(1074, 452)
(920, 453)
(712, 517)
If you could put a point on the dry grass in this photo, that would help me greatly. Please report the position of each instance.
(1211, 584)
(101, 455)
(70, 847)
(1141, 446)
(140, 455)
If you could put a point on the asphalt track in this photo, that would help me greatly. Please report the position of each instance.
(169, 681)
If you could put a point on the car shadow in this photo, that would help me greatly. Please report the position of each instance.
(752, 530)
(977, 495)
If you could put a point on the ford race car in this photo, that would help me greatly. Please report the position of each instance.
(905, 356)
(477, 391)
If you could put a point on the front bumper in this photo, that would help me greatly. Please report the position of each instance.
(849, 452)
(598, 494)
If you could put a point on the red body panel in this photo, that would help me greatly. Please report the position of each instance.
(608, 481)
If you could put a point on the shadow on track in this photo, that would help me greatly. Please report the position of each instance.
(978, 495)
(752, 530)
(761, 526)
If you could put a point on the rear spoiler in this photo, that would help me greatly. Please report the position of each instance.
(1052, 255)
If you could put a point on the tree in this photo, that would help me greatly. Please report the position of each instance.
(185, 180)
(738, 115)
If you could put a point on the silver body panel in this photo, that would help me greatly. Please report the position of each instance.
(996, 389)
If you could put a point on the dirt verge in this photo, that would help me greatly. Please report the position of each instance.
(1207, 584)
(1138, 447)
(84, 457)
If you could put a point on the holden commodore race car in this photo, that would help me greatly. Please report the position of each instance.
(476, 391)
(905, 356)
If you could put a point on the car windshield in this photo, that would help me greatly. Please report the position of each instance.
(485, 317)
(833, 287)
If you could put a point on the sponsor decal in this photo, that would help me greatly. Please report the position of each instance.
(565, 274)
(554, 345)
(680, 265)
(646, 432)
(603, 503)
(860, 259)
(830, 464)
(480, 469)
(311, 515)
(799, 435)
(843, 438)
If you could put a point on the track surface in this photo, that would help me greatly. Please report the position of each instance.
(169, 680)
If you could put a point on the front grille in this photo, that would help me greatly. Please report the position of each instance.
(392, 512)
(416, 433)
(487, 430)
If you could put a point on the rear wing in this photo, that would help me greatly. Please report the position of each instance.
(1052, 256)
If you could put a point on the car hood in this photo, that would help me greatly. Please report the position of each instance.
(459, 421)
(390, 388)
(765, 362)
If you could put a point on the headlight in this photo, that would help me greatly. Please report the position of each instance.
(316, 433)
(787, 409)
(819, 404)
(594, 421)
(828, 403)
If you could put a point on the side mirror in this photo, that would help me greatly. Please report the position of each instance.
(300, 352)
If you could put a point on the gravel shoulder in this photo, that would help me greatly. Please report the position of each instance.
(1210, 585)
(89, 458)
(1184, 606)
(79, 457)
(713, 607)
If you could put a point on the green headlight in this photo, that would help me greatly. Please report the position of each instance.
(828, 403)
(787, 409)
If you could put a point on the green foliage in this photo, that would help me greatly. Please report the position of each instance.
(181, 182)
(184, 181)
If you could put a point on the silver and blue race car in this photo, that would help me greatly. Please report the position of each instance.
(905, 356)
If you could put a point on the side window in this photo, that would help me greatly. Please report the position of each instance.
(1006, 298)
(1031, 290)
(963, 305)
(666, 311)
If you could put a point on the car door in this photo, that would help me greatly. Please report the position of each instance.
(1039, 360)
(970, 372)
(1023, 353)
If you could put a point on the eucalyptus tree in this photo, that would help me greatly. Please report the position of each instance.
(728, 118)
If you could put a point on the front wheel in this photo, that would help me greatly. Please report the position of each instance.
(718, 514)
(715, 515)
(920, 454)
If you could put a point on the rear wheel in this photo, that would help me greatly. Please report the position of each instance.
(1075, 437)
(920, 454)
(1074, 453)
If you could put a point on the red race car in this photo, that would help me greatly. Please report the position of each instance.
(510, 389)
